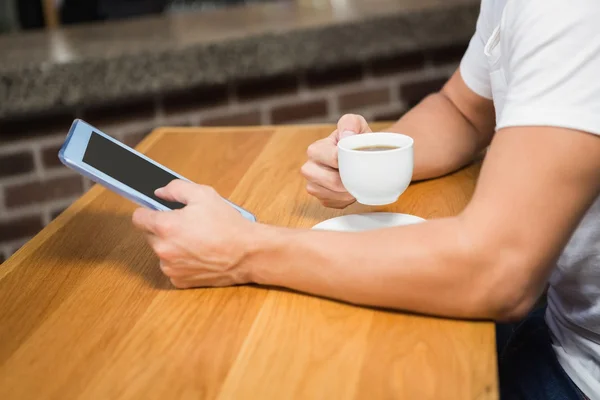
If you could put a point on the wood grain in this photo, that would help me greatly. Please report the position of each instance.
(85, 312)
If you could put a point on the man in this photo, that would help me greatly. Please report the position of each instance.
(529, 87)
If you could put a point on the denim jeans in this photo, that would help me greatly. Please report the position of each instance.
(527, 365)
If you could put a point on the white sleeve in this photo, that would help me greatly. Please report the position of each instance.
(474, 67)
(552, 50)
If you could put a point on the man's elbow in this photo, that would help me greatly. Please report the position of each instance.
(507, 287)
(512, 307)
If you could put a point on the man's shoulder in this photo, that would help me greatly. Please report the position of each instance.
(543, 12)
(490, 15)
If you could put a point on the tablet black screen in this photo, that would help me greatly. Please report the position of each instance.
(127, 168)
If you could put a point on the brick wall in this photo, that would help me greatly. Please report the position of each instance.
(35, 187)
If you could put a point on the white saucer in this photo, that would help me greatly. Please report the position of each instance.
(368, 221)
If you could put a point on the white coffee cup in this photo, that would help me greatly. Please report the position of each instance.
(376, 177)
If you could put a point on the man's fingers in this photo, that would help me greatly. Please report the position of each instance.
(153, 240)
(351, 124)
(202, 280)
(145, 220)
(323, 176)
(156, 223)
(180, 191)
(323, 152)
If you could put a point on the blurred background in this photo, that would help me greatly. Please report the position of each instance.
(31, 14)
(129, 66)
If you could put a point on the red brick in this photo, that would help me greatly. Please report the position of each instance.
(237, 119)
(16, 163)
(335, 75)
(195, 98)
(27, 126)
(412, 93)
(50, 157)
(364, 98)
(299, 111)
(266, 87)
(398, 63)
(38, 192)
(16, 229)
(120, 112)
(448, 54)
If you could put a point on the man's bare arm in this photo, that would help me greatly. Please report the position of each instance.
(492, 261)
(449, 127)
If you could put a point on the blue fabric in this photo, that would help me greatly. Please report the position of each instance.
(527, 364)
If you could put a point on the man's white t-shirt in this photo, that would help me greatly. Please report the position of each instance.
(539, 60)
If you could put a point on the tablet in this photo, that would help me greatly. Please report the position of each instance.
(120, 168)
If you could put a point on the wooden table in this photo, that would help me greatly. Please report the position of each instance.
(85, 312)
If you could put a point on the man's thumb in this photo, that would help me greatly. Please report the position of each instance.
(178, 190)
(352, 124)
(345, 134)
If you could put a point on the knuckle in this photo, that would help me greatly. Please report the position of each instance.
(312, 150)
(168, 271)
(337, 183)
(321, 152)
(165, 227)
(178, 283)
(313, 191)
(206, 190)
(174, 272)
(333, 158)
(136, 218)
(330, 181)
(305, 170)
(333, 182)
(174, 184)
(161, 251)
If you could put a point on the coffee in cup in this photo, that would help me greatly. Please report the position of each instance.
(376, 148)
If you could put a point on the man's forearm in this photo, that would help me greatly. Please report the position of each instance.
(444, 140)
(449, 128)
(423, 268)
